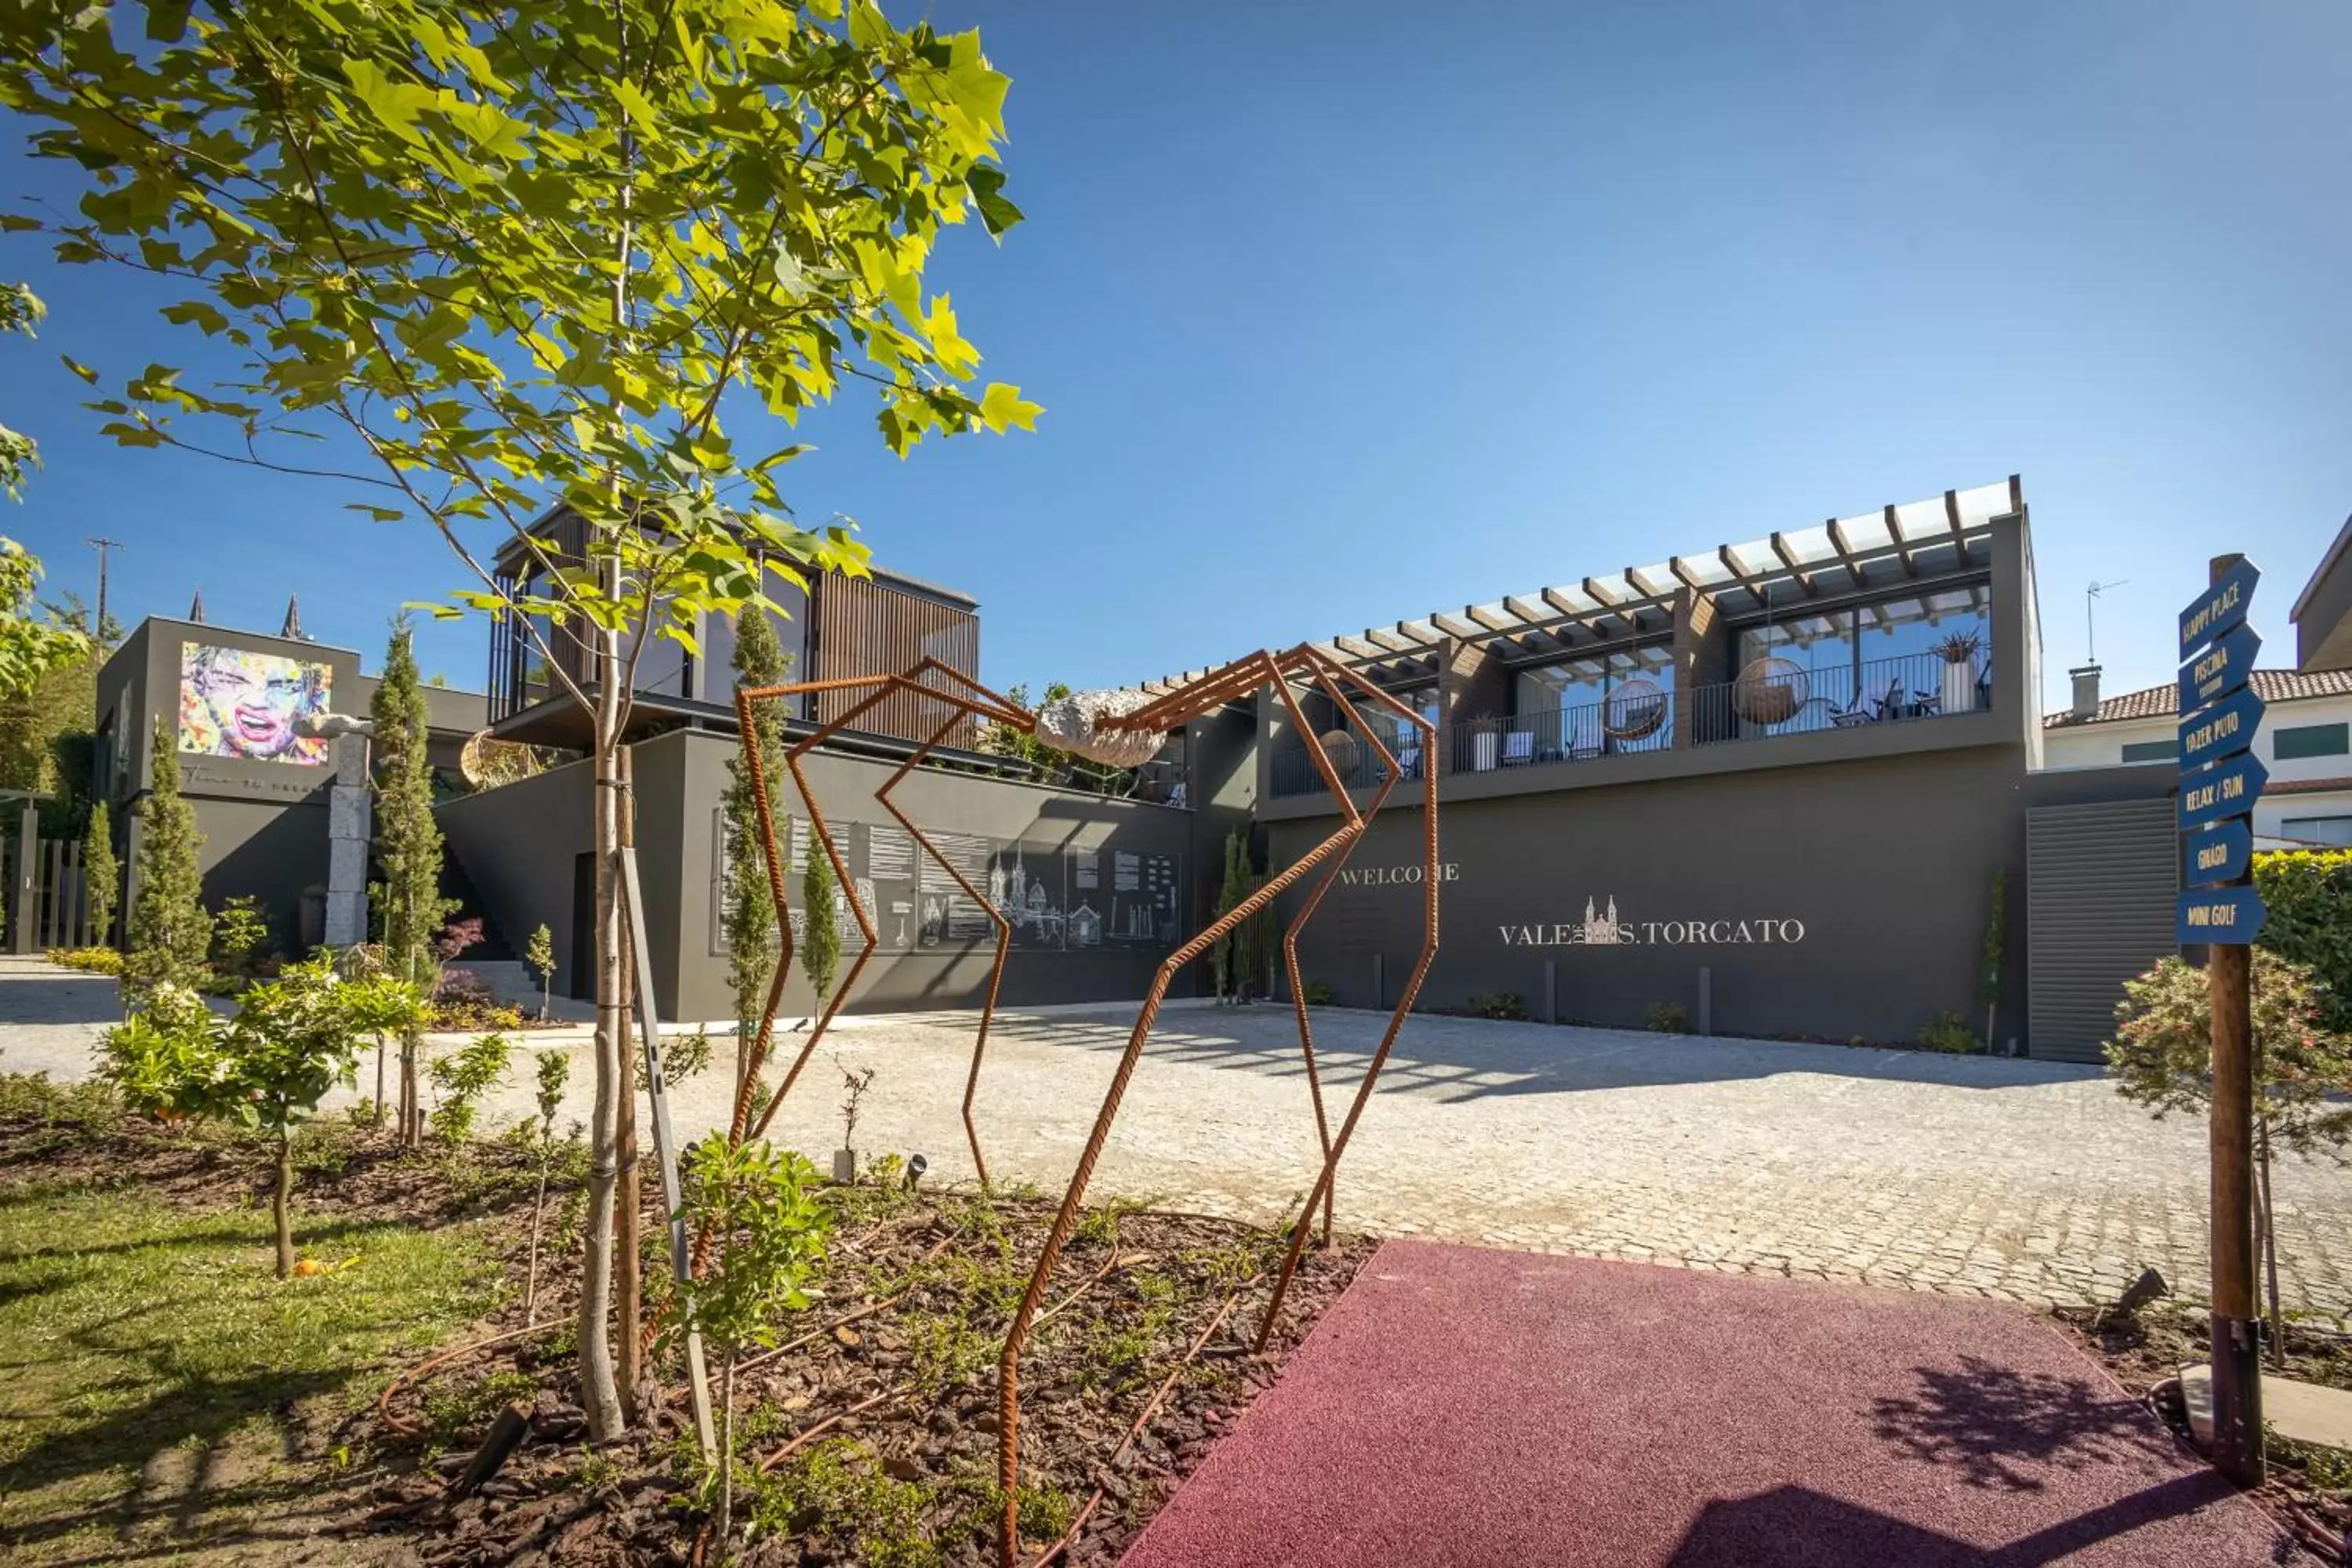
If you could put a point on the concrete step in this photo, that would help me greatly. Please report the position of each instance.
(2301, 1412)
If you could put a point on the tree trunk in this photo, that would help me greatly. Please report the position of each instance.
(2270, 1240)
(379, 1082)
(282, 1204)
(412, 1108)
(599, 1397)
(628, 1262)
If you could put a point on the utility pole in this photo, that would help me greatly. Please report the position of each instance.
(98, 621)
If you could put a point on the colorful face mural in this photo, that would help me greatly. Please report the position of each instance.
(237, 702)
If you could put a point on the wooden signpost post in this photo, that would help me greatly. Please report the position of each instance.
(2219, 784)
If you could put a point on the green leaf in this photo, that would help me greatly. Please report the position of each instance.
(79, 369)
(375, 513)
(997, 215)
(167, 20)
(198, 313)
(1000, 406)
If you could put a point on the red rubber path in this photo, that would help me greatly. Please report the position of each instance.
(1460, 1406)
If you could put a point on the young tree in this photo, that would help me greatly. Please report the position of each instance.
(772, 1236)
(751, 941)
(2162, 1056)
(539, 953)
(820, 922)
(554, 1071)
(408, 843)
(168, 932)
(1996, 937)
(517, 255)
(293, 1039)
(101, 875)
(1232, 961)
(240, 931)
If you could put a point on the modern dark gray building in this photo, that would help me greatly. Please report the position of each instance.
(1770, 787)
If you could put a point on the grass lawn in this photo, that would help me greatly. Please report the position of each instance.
(161, 1389)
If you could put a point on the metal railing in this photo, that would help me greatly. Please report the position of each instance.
(1581, 733)
(1291, 771)
(1844, 696)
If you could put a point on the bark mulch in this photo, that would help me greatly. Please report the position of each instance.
(2310, 1489)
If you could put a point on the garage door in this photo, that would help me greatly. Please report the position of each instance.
(2099, 882)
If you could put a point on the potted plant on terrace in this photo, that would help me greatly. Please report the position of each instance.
(1960, 652)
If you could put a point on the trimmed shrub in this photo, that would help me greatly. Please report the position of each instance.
(2309, 893)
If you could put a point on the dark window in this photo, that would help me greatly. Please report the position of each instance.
(2149, 750)
(2331, 830)
(2312, 741)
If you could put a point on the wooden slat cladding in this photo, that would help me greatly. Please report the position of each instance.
(868, 627)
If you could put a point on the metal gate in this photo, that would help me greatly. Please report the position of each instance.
(2099, 886)
(48, 904)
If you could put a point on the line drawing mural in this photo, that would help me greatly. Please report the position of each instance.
(246, 704)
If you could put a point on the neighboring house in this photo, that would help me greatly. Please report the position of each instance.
(2306, 741)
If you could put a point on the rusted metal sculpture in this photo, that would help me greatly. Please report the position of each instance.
(964, 698)
(1115, 728)
(1301, 666)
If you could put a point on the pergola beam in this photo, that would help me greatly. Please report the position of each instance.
(1845, 553)
(1902, 550)
(1454, 629)
(1731, 565)
(1388, 640)
(1644, 585)
(1489, 621)
(1803, 579)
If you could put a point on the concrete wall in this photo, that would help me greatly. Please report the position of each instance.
(1837, 900)
(521, 844)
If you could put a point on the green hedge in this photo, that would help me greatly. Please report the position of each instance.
(2309, 894)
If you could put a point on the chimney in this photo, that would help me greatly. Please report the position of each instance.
(2086, 691)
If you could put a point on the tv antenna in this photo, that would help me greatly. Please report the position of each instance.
(2090, 616)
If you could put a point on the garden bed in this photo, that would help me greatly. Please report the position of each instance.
(870, 1440)
(871, 1435)
(2309, 1489)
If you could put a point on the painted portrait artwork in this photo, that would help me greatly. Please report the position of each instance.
(240, 702)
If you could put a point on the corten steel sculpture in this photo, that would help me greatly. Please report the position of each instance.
(1302, 666)
(1120, 729)
(964, 698)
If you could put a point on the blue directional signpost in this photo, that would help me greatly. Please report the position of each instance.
(2220, 909)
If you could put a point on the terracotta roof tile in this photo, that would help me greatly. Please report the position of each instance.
(2305, 786)
(2163, 701)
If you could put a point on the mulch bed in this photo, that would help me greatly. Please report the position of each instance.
(870, 1441)
(872, 1436)
(2310, 1491)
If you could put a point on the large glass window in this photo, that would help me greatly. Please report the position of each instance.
(2336, 831)
(2312, 741)
(1584, 707)
(1887, 659)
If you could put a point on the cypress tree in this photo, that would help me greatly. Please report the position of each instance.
(760, 660)
(168, 933)
(101, 875)
(820, 931)
(408, 843)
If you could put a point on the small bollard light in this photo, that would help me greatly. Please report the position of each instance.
(916, 1166)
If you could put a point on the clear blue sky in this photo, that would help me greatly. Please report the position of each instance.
(1347, 312)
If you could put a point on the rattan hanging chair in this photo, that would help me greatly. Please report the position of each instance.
(1771, 690)
(1636, 710)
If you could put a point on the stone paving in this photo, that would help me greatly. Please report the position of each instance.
(2014, 1180)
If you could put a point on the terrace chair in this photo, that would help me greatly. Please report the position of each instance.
(1518, 748)
(1409, 763)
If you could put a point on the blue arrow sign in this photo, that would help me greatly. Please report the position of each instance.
(2220, 669)
(2221, 854)
(2223, 915)
(2219, 608)
(2209, 794)
(2222, 731)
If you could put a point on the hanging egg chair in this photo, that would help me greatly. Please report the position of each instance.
(1771, 690)
(1344, 750)
(1635, 712)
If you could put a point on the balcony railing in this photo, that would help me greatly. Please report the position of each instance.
(1292, 770)
(1578, 734)
(1789, 702)
(1794, 701)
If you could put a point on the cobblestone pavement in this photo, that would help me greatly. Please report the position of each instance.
(2025, 1180)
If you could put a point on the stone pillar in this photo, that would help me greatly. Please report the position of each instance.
(1703, 658)
(348, 829)
(1472, 685)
